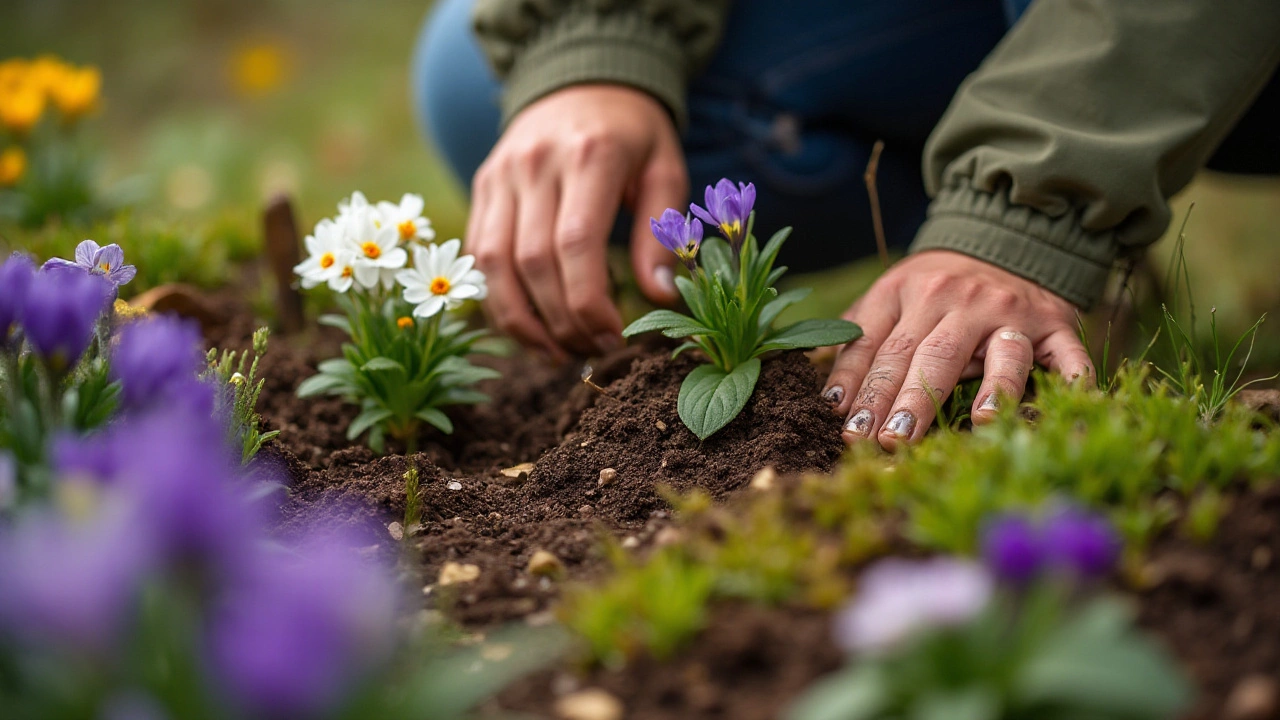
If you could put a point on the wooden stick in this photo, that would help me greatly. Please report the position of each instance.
(869, 177)
(283, 253)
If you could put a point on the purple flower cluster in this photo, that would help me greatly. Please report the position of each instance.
(158, 499)
(15, 280)
(55, 311)
(729, 209)
(106, 262)
(679, 234)
(1069, 541)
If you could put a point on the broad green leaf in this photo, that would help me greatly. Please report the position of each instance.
(323, 383)
(337, 366)
(436, 418)
(811, 334)
(463, 396)
(684, 346)
(760, 268)
(1098, 662)
(716, 257)
(710, 397)
(468, 375)
(383, 364)
(856, 693)
(665, 320)
(365, 420)
(692, 294)
(975, 703)
(339, 321)
(775, 306)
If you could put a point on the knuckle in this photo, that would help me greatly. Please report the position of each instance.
(938, 284)
(942, 345)
(1003, 300)
(488, 257)
(574, 239)
(588, 146)
(532, 158)
(880, 382)
(534, 259)
(897, 347)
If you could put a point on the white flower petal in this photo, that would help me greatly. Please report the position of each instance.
(429, 307)
(393, 258)
(366, 275)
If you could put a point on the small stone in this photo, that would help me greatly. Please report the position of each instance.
(590, 493)
(545, 564)
(585, 510)
(454, 485)
(589, 704)
(518, 472)
(453, 573)
(1261, 557)
(1253, 698)
(496, 652)
(427, 590)
(495, 515)
(607, 476)
(667, 536)
(662, 427)
(630, 542)
(396, 531)
(765, 479)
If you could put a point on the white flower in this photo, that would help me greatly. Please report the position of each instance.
(344, 274)
(324, 247)
(376, 249)
(357, 205)
(899, 598)
(440, 280)
(407, 218)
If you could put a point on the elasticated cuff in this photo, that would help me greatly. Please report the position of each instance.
(1055, 252)
(587, 47)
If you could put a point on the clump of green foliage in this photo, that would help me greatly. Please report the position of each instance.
(239, 399)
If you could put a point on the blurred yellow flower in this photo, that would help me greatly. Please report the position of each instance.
(13, 73)
(13, 165)
(21, 107)
(46, 71)
(75, 90)
(258, 69)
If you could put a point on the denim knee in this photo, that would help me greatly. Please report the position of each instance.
(455, 95)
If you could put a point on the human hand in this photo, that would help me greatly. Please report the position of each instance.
(544, 203)
(938, 317)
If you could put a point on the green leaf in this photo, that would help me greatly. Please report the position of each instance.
(716, 258)
(382, 364)
(339, 321)
(710, 397)
(684, 346)
(666, 320)
(462, 396)
(337, 366)
(436, 418)
(811, 334)
(974, 703)
(323, 383)
(856, 693)
(365, 420)
(775, 306)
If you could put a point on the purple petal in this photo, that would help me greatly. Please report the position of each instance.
(703, 215)
(87, 254)
(111, 256)
(748, 199)
(122, 274)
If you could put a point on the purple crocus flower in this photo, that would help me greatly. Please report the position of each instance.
(91, 258)
(897, 599)
(680, 234)
(303, 631)
(1013, 548)
(729, 209)
(15, 279)
(154, 355)
(71, 583)
(60, 312)
(1081, 543)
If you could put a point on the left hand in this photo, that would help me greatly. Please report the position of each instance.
(936, 318)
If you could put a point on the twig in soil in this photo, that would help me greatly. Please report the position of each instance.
(877, 224)
(586, 378)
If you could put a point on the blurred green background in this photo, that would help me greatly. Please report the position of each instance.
(212, 106)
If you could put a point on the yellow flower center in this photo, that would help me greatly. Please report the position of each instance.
(347, 272)
(407, 230)
(326, 261)
(13, 165)
(371, 250)
(405, 322)
(440, 286)
(104, 267)
(731, 230)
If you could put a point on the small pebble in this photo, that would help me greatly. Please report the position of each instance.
(765, 479)
(585, 510)
(545, 564)
(630, 541)
(454, 485)
(607, 476)
(396, 531)
(1253, 698)
(667, 536)
(662, 427)
(589, 704)
(496, 652)
(453, 573)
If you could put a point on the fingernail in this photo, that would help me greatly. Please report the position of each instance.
(901, 424)
(833, 394)
(991, 403)
(608, 342)
(860, 423)
(665, 278)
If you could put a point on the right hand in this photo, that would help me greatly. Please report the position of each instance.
(544, 203)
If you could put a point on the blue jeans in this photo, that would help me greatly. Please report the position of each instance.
(793, 101)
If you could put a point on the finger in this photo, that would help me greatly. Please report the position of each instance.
(1063, 352)
(491, 238)
(885, 376)
(935, 368)
(537, 265)
(854, 359)
(663, 184)
(588, 206)
(1008, 363)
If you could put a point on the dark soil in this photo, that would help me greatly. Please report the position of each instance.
(1214, 604)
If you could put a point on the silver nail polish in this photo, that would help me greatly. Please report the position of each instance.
(901, 424)
(991, 403)
(833, 394)
(860, 423)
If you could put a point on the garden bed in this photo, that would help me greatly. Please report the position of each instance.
(1210, 602)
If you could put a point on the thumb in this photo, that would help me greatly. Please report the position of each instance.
(664, 184)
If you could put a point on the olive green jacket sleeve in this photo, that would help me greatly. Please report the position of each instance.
(538, 46)
(1060, 153)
